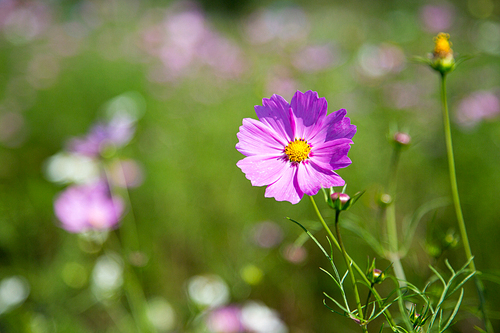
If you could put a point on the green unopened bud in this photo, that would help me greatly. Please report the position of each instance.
(450, 239)
(375, 276)
(442, 56)
(384, 199)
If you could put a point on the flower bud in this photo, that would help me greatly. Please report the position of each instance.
(442, 56)
(450, 239)
(375, 275)
(402, 139)
(340, 201)
(384, 200)
(342, 197)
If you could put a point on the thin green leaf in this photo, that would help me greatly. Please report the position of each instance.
(337, 303)
(312, 237)
(455, 310)
(463, 281)
(410, 228)
(343, 278)
(334, 311)
(365, 235)
(330, 275)
(438, 275)
(447, 263)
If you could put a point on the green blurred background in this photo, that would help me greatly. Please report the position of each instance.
(198, 69)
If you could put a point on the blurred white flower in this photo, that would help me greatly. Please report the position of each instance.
(161, 314)
(13, 291)
(71, 168)
(107, 275)
(258, 318)
(208, 290)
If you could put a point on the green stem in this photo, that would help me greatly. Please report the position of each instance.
(456, 202)
(368, 300)
(392, 231)
(349, 268)
(128, 243)
(358, 269)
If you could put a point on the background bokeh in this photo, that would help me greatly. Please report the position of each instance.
(190, 72)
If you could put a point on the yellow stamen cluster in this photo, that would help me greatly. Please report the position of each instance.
(442, 48)
(297, 150)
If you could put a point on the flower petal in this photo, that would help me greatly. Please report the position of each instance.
(262, 170)
(332, 155)
(256, 138)
(309, 111)
(286, 188)
(276, 113)
(338, 126)
(312, 177)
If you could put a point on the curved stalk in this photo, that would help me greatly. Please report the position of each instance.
(392, 232)
(456, 203)
(349, 268)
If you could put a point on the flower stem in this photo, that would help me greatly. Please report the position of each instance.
(368, 299)
(456, 203)
(392, 231)
(356, 267)
(349, 268)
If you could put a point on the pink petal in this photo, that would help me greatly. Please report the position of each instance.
(276, 113)
(309, 111)
(311, 177)
(256, 138)
(263, 170)
(286, 188)
(338, 126)
(332, 153)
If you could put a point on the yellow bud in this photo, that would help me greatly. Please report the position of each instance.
(442, 56)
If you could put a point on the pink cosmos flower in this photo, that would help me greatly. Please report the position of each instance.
(295, 148)
(225, 320)
(89, 206)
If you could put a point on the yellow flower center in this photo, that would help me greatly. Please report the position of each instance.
(297, 150)
(443, 45)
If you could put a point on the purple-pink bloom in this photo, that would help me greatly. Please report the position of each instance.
(293, 149)
(89, 206)
(225, 320)
(117, 132)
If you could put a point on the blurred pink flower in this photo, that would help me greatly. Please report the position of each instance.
(437, 18)
(267, 234)
(25, 21)
(315, 58)
(294, 254)
(184, 42)
(476, 107)
(280, 82)
(86, 207)
(225, 320)
(117, 132)
(380, 60)
(284, 24)
(126, 173)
